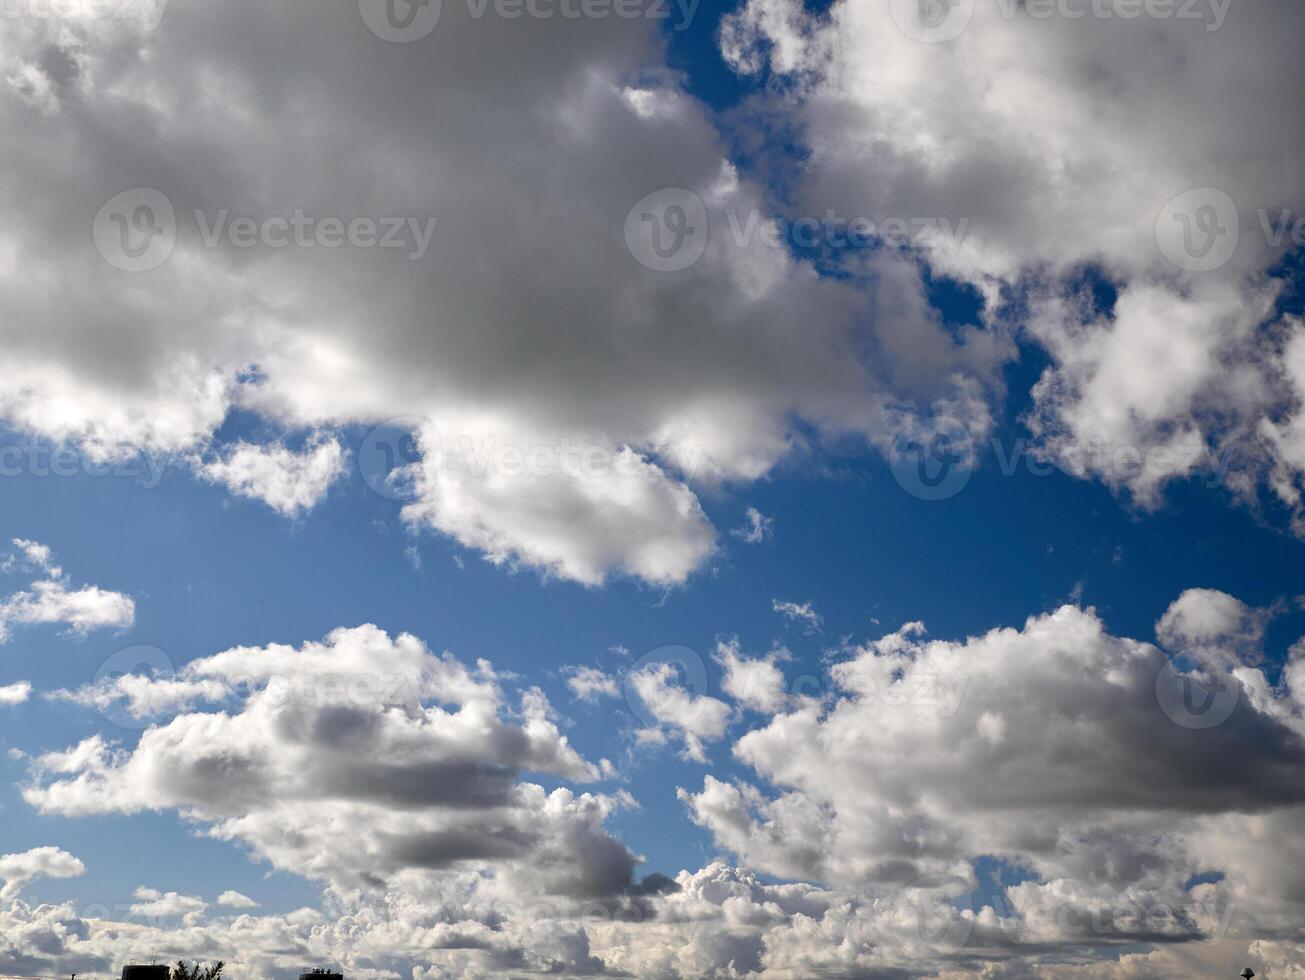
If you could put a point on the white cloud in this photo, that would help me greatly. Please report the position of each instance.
(799, 612)
(18, 870)
(36, 554)
(1213, 628)
(52, 600)
(1044, 747)
(756, 528)
(15, 693)
(1051, 140)
(576, 523)
(356, 760)
(143, 696)
(756, 684)
(662, 381)
(153, 904)
(590, 684)
(288, 482)
(235, 900)
(1023, 745)
(673, 708)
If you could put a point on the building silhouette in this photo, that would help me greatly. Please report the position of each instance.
(145, 973)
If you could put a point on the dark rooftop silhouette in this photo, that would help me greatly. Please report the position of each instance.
(158, 972)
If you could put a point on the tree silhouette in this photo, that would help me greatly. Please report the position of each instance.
(197, 972)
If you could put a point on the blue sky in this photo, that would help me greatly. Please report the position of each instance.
(814, 386)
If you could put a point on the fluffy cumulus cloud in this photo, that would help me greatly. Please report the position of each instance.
(674, 709)
(18, 870)
(591, 683)
(1133, 794)
(354, 760)
(153, 904)
(288, 482)
(51, 598)
(753, 682)
(565, 394)
(15, 693)
(392, 775)
(1139, 797)
(1065, 137)
(235, 900)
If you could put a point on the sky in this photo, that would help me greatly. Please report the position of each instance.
(652, 489)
